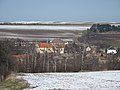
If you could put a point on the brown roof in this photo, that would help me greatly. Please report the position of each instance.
(57, 40)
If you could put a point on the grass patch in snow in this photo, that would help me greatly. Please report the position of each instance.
(13, 84)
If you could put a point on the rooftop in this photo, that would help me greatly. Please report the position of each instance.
(45, 45)
(57, 40)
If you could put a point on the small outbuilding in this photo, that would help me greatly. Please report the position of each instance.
(111, 50)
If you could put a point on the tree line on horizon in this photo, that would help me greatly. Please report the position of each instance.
(104, 28)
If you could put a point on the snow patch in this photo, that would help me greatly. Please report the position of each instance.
(37, 27)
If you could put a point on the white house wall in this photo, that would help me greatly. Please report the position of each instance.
(111, 51)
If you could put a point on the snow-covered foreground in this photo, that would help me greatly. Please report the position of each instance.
(102, 80)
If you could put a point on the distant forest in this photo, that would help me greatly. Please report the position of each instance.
(104, 28)
(44, 23)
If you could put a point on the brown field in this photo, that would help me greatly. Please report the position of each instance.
(37, 34)
(104, 38)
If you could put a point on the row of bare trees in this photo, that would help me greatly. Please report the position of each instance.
(6, 61)
(47, 63)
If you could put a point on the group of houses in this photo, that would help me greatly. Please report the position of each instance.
(107, 50)
(56, 45)
(45, 54)
(23, 49)
(60, 50)
(104, 54)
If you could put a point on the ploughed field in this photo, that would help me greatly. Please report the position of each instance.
(37, 34)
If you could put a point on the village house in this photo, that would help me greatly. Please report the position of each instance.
(20, 43)
(88, 49)
(24, 62)
(42, 47)
(103, 58)
(58, 45)
(111, 50)
(20, 58)
(91, 50)
(20, 61)
(68, 41)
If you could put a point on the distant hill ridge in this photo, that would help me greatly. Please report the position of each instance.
(45, 23)
(56, 23)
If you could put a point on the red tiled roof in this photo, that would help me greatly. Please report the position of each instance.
(45, 45)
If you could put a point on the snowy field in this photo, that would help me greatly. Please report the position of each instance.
(37, 27)
(101, 80)
(36, 32)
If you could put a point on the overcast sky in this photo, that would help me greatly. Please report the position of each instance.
(60, 10)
